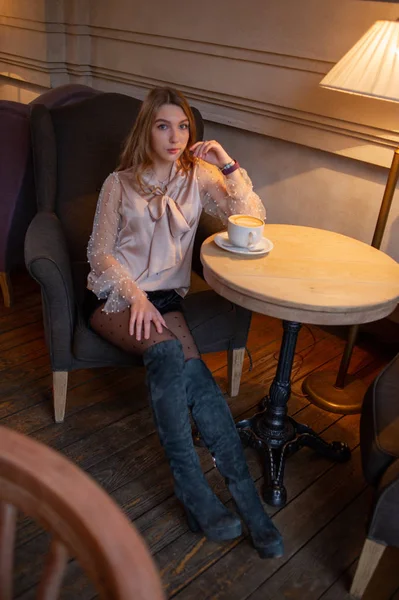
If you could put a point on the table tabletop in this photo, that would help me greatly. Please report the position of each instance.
(311, 276)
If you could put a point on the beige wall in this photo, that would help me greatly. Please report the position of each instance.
(316, 157)
(304, 186)
(255, 65)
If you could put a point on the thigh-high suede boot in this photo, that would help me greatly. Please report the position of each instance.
(216, 426)
(164, 364)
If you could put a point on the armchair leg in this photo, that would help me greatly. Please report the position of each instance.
(368, 561)
(6, 288)
(60, 387)
(235, 360)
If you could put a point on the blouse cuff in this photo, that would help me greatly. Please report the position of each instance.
(243, 200)
(119, 289)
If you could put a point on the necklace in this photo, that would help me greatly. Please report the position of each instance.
(163, 184)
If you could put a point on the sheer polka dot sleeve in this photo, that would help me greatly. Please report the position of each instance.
(223, 196)
(108, 278)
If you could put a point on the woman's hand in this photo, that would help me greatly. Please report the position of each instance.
(142, 313)
(212, 152)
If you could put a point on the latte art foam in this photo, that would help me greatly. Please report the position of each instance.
(246, 221)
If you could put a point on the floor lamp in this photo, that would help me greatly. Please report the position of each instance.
(370, 68)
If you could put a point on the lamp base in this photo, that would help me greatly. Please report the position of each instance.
(321, 390)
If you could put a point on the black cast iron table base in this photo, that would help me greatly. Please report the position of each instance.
(274, 434)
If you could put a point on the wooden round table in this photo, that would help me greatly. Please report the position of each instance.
(310, 276)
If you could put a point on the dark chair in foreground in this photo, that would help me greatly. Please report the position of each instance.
(75, 148)
(84, 521)
(17, 192)
(379, 442)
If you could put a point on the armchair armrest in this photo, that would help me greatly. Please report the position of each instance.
(206, 227)
(48, 262)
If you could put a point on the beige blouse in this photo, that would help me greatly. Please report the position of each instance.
(145, 239)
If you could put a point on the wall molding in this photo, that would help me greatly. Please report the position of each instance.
(190, 45)
(75, 54)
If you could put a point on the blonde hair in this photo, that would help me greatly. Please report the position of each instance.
(136, 154)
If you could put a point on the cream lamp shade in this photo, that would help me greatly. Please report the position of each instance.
(371, 67)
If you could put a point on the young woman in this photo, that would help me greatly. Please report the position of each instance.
(140, 254)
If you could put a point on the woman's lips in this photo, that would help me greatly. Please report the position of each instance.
(174, 150)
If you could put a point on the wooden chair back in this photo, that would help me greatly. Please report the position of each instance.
(84, 521)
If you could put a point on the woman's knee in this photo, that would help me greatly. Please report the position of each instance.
(191, 352)
(178, 325)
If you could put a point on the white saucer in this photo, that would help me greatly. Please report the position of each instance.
(261, 248)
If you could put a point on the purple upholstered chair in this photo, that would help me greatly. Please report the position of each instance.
(17, 192)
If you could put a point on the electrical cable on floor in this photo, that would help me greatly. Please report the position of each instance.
(251, 362)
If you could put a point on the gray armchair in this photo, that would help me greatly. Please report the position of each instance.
(379, 444)
(74, 148)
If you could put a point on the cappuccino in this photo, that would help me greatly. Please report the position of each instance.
(245, 231)
(246, 221)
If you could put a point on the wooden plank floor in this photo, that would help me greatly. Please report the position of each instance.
(108, 432)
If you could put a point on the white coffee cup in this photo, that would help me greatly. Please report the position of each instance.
(244, 231)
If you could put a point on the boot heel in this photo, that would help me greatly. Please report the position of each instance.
(192, 521)
(228, 528)
(275, 550)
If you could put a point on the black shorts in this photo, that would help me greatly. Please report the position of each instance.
(164, 301)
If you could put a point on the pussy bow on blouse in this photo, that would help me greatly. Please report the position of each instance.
(170, 225)
(150, 233)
